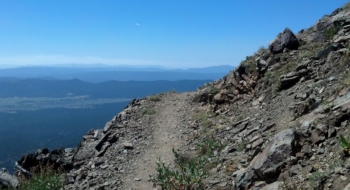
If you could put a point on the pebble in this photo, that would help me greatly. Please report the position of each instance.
(137, 179)
(343, 178)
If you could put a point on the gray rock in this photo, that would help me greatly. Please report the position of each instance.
(128, 145)
(7, 180)
(289, 80)
(286, 39)
(85, 151)
(317, 136)
(244, 178)
(267, 165)
(261, 65)
(273, 186)
(324, 53)
(347, 187)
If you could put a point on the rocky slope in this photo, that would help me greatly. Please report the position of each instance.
(272, 123)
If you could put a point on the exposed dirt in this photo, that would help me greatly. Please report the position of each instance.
(167, 134)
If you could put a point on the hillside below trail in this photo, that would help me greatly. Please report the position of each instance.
(167, 134)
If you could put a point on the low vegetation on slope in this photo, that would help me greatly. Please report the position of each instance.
(280, 120)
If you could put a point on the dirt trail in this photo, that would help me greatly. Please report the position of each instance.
(167, 134)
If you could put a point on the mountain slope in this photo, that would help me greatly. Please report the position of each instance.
(272, 123)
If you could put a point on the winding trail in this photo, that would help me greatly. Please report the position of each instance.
(167, 134)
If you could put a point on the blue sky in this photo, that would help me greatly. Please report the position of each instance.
(177, 33)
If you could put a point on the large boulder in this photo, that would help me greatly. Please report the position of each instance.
(268, 164)
(7, 180)
(286, 39)
(58, 158)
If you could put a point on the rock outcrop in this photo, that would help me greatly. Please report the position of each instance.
(7, 180)
(285, 39)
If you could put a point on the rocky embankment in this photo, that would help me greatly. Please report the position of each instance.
(272, 123)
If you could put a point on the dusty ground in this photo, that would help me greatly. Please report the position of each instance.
(167, 134)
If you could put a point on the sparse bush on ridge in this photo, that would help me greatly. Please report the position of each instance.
(316, 178)
(187, 175)
(249, 65)
(242, 145)
(305, 54)
(209, 145)
(148, 111)
(346, 6)
(46, 178)
(189, 171)
(154, 98)
(203, 118)
(214, 91)
(331, 32)
(345, 144)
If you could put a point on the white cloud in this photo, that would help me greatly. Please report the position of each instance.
(137, 24)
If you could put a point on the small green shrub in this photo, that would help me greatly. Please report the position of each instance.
(47, 178)
(249, 65)
(305, 54)
(239, 117)
(188, 174)
(289, 184)
(345, 143)
(242, 145)
(196, 98)
(346, 6)
(337, 163)
(316, 178)
(203, 118)
(346, 80)
(148, 111)
(261, 50)
(331, 32)
(214, 91)
(267, 76)
(154, 98)
(209, 145)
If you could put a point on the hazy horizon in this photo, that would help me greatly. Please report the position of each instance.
(181, 34)
(92, 65)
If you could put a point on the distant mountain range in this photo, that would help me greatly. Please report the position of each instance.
(34, 87)
(104, 73)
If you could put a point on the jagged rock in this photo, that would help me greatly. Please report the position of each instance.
(261, 65)
(273, 186)
(59, 158)
(306, 150)
(342, 39)
(324, 53)
(7, 180)
(319, 134)
(219, 98)
(289, 80)
(85, 151)
(244, 178)
(268, 164)
(286, 39)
